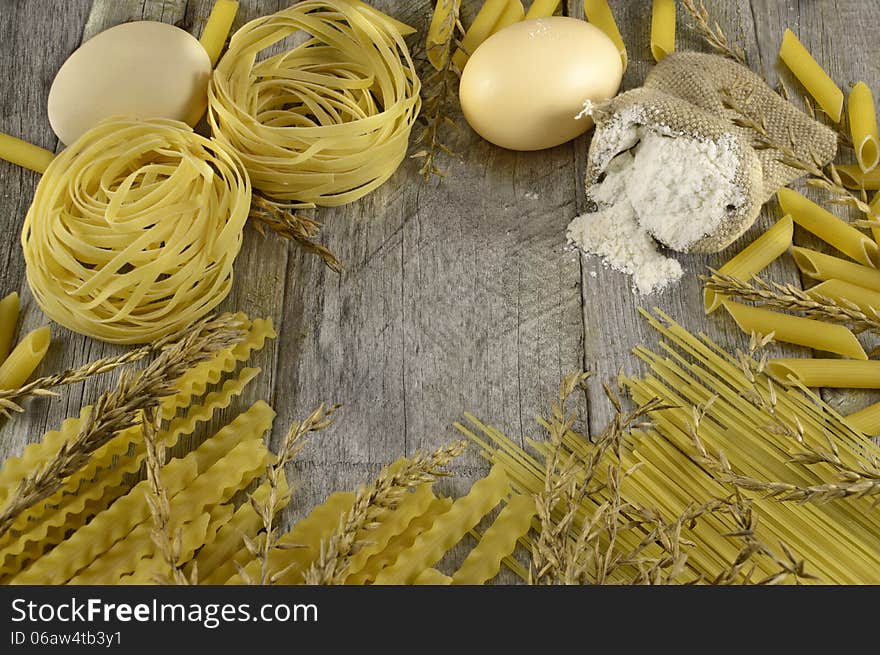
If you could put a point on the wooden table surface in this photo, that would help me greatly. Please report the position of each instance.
(459, 294)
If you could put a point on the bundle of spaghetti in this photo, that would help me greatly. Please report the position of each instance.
(134, 229)
(327, 121)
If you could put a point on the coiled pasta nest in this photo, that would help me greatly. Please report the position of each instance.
(134, 228)
(322, 123)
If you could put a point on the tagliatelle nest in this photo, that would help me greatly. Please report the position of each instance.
(134, 229)
(327, 121)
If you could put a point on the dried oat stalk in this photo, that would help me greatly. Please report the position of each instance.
(712, 33)
(122, 408)
(371, 501)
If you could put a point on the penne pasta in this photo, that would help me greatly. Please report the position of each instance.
(24, 358)
(852, 177)
(542, 8)
(863, 127)
(866, 420)
(9, 308)
(834, 373)
(479, 31)
(811, 75)
(599, 14)
(513, 13)
(828, 227)
(662, 28)
(866, 300)
(820, 266)
(753, 259)
(800, 331)
(439, 32)
(217, 28)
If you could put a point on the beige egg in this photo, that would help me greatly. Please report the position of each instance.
(523, 86)
(143, 69)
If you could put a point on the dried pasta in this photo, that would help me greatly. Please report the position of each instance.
(852, 177)
(662, 28)
(448, 529)
(866, 300)
(866, 420)
(753, 259)
(440, 32)
(800, 331)
(484, 561)
(542, 8)
(820, 266)
(828, 227)
(863, 127)
(326, 122)
(488, 16)
(835, 373)
(134, 229)
(599, 14)
(24, 154)
(513, 13)
(217, 28)
(432, 577)
(24, 358)
(9, 308)
(809, 73)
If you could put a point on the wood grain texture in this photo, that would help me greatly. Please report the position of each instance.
(458, 294)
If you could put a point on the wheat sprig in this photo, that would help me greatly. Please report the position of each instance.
(712, 33)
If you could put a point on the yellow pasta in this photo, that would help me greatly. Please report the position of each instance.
(326, 122)
(828, 227)
(479, 31)
(809, 73)
(440, 31)
(448, 529)
(662, 28)
(217, 28)
(432, 577)
(24, 154)
(753, 259)
(852, 177)
(513, 13)
(800, 331)
(863, 127)
(484, 561)
(9, 308)
(133, 230)
(834, 373)
(542, 8)
(867, 300)
(24, 358)
(599, 14)
(866, 420)
(820, 266)
(402, 28)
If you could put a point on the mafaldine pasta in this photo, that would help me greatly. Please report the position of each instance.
(807, 332)
(662, 28)
(134, 229)
(863, 127)
(809, 73)
(312, 134)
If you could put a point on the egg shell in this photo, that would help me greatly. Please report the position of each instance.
(143, 69)
(524, 85)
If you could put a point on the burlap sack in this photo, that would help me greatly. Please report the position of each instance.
(682, 96)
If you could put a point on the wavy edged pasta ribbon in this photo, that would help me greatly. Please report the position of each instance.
(134, 228)
(327, 121)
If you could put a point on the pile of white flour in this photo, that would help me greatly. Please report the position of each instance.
(674, 190)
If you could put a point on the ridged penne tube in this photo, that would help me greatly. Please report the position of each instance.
(753, 259)
(822, 267)
(217, 27)
(9, 308)
(542, 8)
(448, 529)
(479, 30)
(513, 13)
(599, 14)
(391, 524)
(813, 77)
(863, 127)
(24, 358)
(662, 28)
(852, 177)
(432, 577)
(24, 154)
(828, 227)
(440, 31)
(867, 300)
(484, 561)
(834, 373)
(800, 331)
(387, 556)
(866, 420)
(308, 534)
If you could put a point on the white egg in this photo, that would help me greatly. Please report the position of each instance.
(144, 69)
(523, 86)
